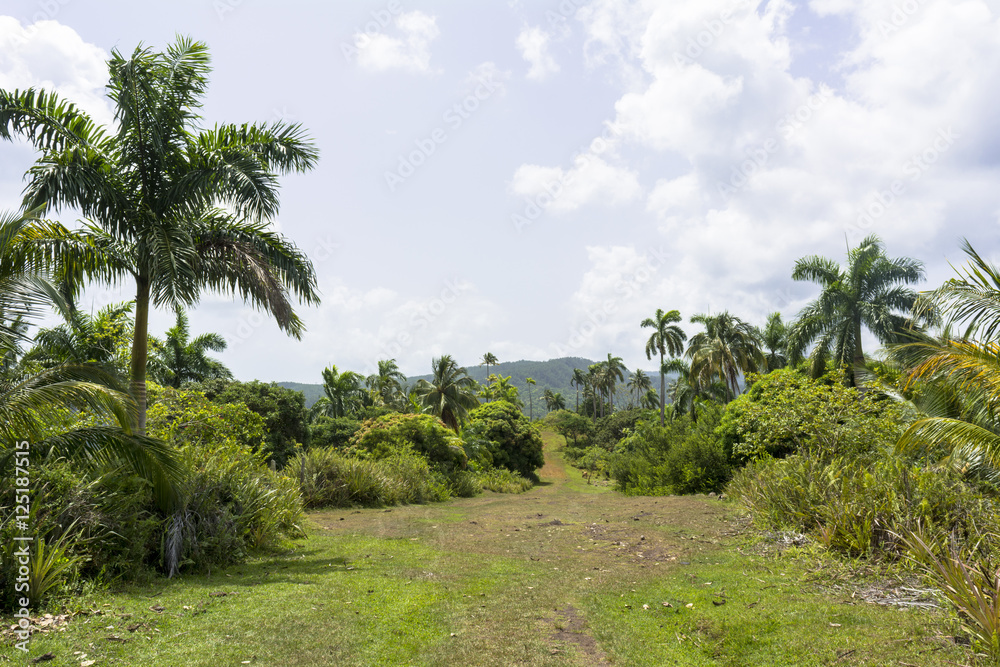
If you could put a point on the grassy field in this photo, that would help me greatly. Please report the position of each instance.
(566, 574)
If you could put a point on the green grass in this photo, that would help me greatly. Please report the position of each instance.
(555, 576)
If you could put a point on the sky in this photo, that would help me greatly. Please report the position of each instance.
(533, 179)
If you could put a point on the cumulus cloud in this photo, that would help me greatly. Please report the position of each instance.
(591, 179)
(533, 43)
(410, 51)
(53, 56)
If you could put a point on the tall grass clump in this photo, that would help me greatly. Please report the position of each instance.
(971, 583)
(860, 505)
(329, 478)
(502, 480)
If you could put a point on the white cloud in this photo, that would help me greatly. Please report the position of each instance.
(53, 56)
(380, 52)
(590, 180)
(533, 43)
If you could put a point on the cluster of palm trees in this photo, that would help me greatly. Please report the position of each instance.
(450, 393)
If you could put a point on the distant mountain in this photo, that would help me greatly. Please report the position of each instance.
(554, 374)
(312, 392)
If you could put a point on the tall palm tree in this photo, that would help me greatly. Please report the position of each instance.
(667, 338)
(489, 359)
(614, 372)
(450, 393)
(531, 410)
(178, 359)
(174, 208)
(342, 393)
(640, 384)
(727, 349)
(387, 384)
(869, 292)
(595, 379)
(774, 337)
(578, 380)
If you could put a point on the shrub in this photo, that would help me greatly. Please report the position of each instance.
(609, 430)
(785, 412)
(515, 442)
(329, 478)
(283, 410)
(333, 431)
(502, 480)
(397, 434)
(571, 425)
(682, 456)
(231, 501)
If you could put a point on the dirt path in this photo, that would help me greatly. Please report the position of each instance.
(557, 544)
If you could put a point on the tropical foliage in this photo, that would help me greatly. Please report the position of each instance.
(174, 209)
(869, 292)
(449, 394)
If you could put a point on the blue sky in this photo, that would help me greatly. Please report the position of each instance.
(533, 179)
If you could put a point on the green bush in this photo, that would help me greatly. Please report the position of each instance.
(785, 412)
(515, 442)
(231, 501)
(283, 410)
(609, 430)
(397, 434)
(333, 431)
(501, 480)
(329, 478)
(682, 456)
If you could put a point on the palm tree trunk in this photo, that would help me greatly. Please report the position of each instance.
(663, 390)
(859, 354)
(140, 352)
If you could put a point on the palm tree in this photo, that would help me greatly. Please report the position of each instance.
(869, 293)
(558, 402)
(175, 209)
(489, 359)
(774, 337)
(387, 384)
(178, 359)
(531, 410)
(342, 393)
(548, 397)
(87, 339)
(500, 389)
(614, 372)
(650, 400)
(578, 380)
(595, 379)
(639, 383)
(667, 338)
(961, 372)
(450, 393)
(728, 348)
(29, 398)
